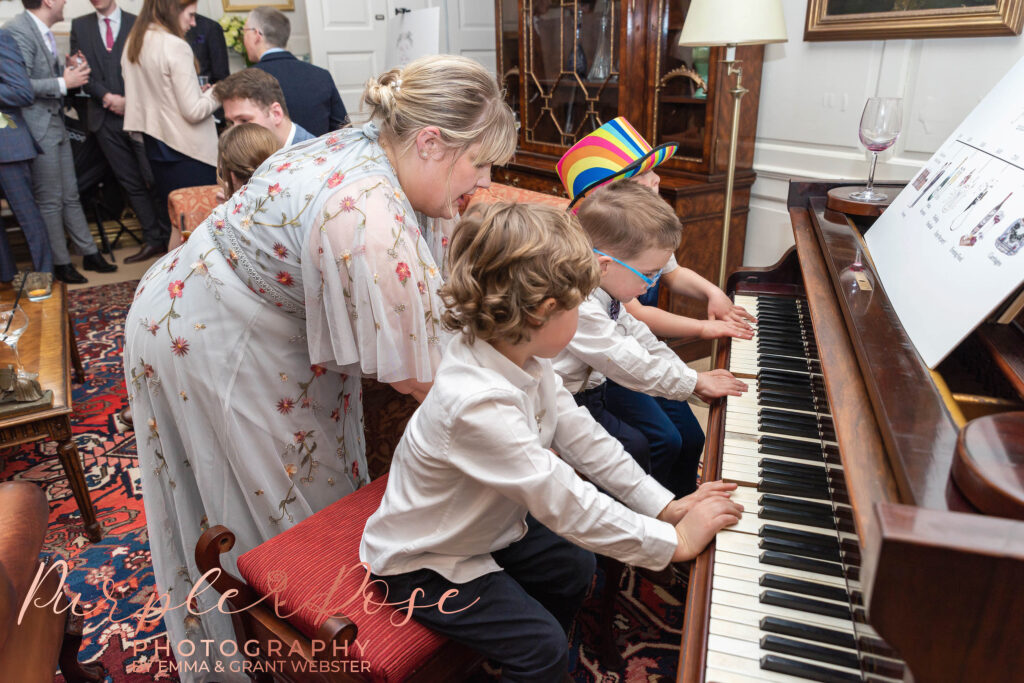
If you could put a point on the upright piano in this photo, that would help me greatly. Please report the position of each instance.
(883, 532)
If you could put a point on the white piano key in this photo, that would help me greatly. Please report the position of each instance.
(752, 459)
(743, 666)
(748, 572)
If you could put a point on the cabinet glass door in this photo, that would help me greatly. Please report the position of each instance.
(571, 68)
(680, 86)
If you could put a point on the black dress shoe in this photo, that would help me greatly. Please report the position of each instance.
(96, 262)
(147, 252)
(67, 273)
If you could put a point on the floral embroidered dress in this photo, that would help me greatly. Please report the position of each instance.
(245, 348)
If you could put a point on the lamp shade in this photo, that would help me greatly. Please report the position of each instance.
(734, 22)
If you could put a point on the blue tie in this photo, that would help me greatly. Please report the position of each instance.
(613, 309)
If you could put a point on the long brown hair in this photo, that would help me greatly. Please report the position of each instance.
(240, 150)
(160, 12)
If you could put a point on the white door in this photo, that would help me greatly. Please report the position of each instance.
(347, 37)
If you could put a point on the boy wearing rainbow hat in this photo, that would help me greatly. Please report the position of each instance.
(617, 151)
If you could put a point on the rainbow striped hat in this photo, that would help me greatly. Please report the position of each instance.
(615, 150)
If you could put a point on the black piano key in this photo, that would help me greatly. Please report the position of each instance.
(775, 531)
(788, 583)
(794, 517)
(794, 468)
(811, 672)
(806, 564)
(802, 604)
(805, 506)
(825, 547)
(785, 545)
(818, 653)
(767, 398)
(778, 362)
(802, 394)
(784, 416)
(801, 478)
(790, 448)
(819, 634)
(791, 487)
(786, 428)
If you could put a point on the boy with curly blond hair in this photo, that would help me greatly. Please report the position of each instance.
(479, 509)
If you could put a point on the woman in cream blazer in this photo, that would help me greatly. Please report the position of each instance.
(164, 102)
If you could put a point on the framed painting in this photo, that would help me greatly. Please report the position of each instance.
(246, 5)
(885, 19)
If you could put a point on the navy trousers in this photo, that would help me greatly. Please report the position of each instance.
(172, 170)
(521, 615)
(675, 436)
(16, 183)
(632, 439)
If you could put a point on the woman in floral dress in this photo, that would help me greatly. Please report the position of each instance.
(245, 347)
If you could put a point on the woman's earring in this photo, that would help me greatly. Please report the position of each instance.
(423, 154)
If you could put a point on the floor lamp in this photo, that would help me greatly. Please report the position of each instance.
(730, 23)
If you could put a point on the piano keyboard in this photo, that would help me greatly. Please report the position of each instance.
(786, 603)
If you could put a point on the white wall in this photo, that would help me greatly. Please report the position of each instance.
(811, 99)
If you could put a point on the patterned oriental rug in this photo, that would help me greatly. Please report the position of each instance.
(647, 622)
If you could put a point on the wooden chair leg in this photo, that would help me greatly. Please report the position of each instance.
(74, 671)
(607, 648)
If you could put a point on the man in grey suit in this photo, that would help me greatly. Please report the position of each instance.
(53, 172)
(101, 36)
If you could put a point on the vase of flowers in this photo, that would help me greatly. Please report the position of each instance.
(233, 25)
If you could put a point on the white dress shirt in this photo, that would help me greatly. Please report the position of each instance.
(47, 37)
(115, 24)
(622, 350)
(291, 136)
(475, 459)
(671, 265)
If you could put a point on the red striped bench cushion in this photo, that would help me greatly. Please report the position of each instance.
(319, 558)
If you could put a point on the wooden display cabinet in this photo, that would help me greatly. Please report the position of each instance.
(568, 66)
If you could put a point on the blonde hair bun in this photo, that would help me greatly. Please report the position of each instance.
(381, 95)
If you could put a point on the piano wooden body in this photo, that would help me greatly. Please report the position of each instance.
(927, 505)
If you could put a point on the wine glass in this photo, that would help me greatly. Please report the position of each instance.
(879, 128)
(13, 322)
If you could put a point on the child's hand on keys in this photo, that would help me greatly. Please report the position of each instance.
(717, 383)
(721, 307)
(699, 526)
(714, 329)
(678, 508)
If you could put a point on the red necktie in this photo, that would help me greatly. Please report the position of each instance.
(110, 36)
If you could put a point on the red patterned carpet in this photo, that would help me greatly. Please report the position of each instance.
(647, 622)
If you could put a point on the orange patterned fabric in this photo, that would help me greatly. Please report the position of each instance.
(195, 204)
(506, 193)
(319, 558)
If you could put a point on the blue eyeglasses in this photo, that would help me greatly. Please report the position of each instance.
(650, 281)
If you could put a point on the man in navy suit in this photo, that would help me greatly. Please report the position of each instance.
(309, 91)
(17, 149)
(209, 47)
(101, 37)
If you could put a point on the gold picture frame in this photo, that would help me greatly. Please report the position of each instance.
(912, 19)
(246, 5)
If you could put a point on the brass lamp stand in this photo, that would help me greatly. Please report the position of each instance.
(730, 23)
(732, 67)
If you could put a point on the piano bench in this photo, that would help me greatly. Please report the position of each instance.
(312, 571)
